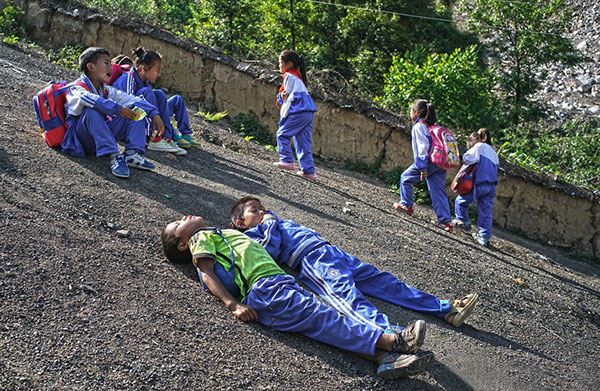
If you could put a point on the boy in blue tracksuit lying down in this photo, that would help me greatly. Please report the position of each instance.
(339, 278)
(254, 288)
(98, 116)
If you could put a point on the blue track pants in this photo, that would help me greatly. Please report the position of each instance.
(177, 108)
(342, 280)
(436, 178)
(91, 133)
(484, 193)
(283, 305)
(298, 126)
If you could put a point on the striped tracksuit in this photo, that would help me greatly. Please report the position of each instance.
(339, 278)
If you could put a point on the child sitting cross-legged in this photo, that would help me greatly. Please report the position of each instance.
(98, 116)
(259, 290)
(339, 278)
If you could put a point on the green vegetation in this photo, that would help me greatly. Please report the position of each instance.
(12, 25)
(248, 126)
(525, 36)
(572, 153)
(68, 55)
(460, 88)
(212, 117)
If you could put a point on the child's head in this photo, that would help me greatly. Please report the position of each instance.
(95, 63)
(423, 109)
(481, 136)
(122, 59)
(148, 64)
(176, 235)
(289, 59)
(246, 213)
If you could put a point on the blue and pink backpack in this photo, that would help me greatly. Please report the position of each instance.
(444, 148)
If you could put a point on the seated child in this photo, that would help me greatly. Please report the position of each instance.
(98, 116)
(269, 296)
(138, 81)
(485, 179)
(340, 279)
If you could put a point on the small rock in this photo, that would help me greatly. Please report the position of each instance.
(87, 289)
(347, 210)
(348, 203)
(594, 109)
(110, 225)
(123, 233)
(582, 45)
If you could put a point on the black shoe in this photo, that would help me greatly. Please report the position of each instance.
(396, 365)
(410, 339)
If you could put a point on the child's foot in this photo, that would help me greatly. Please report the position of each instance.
(403, 208)
(285, 165)
(445, 226)
(461, 310)
(188, 141)
(396, 365)
(161, 145)
(118, 165)
(178, 151)
(136, 160)
(465, 226)
(410, 339)
(481, 240)
(181, 142)
(312, 177)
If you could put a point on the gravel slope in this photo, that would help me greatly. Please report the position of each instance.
(83, 308)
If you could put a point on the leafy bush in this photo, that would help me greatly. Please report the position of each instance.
(68, 55)
(459, 88)
(247, 125)
(12, 25)
(572, 153)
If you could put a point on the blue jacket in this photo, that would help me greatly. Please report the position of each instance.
(286, 241)
(487, 159)
(130, 82)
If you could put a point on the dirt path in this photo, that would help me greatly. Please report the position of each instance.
(83, 308)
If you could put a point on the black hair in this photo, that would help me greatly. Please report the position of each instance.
(237, 212)
(90, 55)
(122, 59)
(170, 243)
(425, 110)
(297, 61)
(145, 57)
(482, 135)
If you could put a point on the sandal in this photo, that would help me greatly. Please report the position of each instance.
(461, 311)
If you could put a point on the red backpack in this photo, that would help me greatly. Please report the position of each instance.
(49, 105)
(444, 148)
(463, 181)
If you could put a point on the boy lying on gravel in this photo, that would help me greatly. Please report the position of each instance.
(264, 293)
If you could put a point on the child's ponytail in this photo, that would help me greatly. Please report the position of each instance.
(145, 57)
(297, 61)
(481, 136)
(424, 110)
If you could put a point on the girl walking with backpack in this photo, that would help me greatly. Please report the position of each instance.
(422, 113)
(296, 116)
(485, 179)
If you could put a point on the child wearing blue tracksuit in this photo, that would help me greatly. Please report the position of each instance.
(269, 296)
(485, 179)
(296, 116)
(138, 81)
(422, 113)
(98, 116)
(339, 278)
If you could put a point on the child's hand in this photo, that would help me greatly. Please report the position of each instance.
(127, 113)
(267, 217)
(423, 175)
(284, 96)
(158, 127)
(244, 313)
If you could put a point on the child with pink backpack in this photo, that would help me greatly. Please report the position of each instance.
(422, 113)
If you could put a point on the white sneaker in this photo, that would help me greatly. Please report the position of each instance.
(162, 146)
(180, 151)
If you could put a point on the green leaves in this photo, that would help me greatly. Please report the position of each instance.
(460, 89)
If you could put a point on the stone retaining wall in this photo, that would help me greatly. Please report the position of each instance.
(537, 206)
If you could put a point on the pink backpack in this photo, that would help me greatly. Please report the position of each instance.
(117, 70)
(444, 148)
